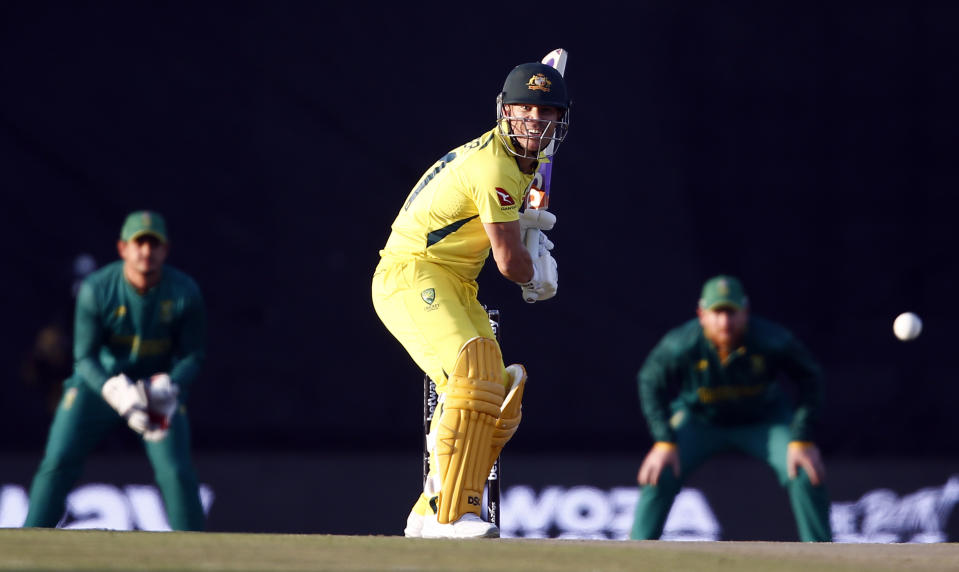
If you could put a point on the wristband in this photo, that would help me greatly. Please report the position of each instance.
(801, 444)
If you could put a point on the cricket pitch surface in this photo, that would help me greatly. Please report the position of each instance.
(44, 549)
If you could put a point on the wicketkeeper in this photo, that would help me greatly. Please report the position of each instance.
(139, 341)
(713, 385)
(425, 292)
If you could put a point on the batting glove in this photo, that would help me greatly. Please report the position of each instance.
(545, 280)
(536, 218)
(129, 399)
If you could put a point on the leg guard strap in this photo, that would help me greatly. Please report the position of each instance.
(511, 412)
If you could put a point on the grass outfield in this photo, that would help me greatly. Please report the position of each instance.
(40, 549)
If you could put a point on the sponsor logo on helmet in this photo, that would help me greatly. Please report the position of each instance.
(505, 199)
(539, 83)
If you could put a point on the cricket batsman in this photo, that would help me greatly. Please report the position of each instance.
(139, 341)
(424, 289)
(712, 385)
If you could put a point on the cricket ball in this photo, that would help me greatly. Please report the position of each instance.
(907, 326)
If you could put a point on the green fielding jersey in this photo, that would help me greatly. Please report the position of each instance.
(442, 219)
(117, 330)
(683, 371)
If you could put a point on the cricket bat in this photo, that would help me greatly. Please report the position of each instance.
(538, 197)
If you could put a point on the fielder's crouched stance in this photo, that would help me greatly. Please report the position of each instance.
(425, 292)
(139, 343)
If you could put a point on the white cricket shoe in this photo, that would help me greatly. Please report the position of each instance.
(468, 526)
(414, 525)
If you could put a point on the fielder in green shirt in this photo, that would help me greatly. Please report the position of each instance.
(139, 341)
(714, 385)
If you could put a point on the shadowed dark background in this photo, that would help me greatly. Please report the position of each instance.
(808, 149)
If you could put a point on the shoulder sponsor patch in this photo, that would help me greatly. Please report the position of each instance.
(505, 199)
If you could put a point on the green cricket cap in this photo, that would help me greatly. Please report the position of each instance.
(140, 223)
(723, 292)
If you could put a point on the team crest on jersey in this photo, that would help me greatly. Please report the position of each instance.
(505, 199)
(166, 311)
(539, 83)
(428, 295)
(120, 311)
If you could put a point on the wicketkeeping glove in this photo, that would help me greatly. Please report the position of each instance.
(129, 399)
(162, 403)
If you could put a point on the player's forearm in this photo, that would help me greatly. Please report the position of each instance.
(655, 408)
(87, 339)
(659, 426)
(191, 349)
(517, 267)
(512, 259)
(802, 427)
(809, 402)
(186, 370)
(92, 373)
(86, 356)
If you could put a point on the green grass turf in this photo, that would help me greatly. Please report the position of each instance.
(39, 549)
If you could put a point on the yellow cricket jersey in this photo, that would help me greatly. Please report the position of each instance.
(442, 218)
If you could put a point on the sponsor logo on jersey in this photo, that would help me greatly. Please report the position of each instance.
(539, 83)
(729, 392)
(505, 199)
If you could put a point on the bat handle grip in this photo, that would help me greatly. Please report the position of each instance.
(532, 241)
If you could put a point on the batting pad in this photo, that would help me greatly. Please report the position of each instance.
(464, 437)
(510, 413)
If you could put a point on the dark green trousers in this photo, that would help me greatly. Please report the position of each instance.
(699, 441)
(81, 421)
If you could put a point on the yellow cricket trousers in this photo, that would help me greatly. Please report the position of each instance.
(431, 311)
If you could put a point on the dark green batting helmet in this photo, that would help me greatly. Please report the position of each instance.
(535, 83)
